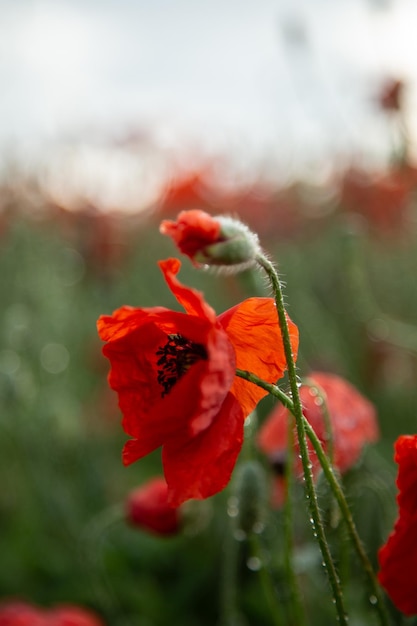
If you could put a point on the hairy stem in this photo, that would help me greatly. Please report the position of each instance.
(311, 495)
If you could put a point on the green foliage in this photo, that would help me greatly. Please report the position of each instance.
(62, 533)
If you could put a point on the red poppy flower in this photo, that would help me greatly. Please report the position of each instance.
(23, 614)
(67, 615)
(352, 418)
(382, 199)
(398, 557)
(217, 240)
(390, 98)
(175, 377)
(147, 507)
(17, 613)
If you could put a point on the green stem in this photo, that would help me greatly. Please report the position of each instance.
(273, 389)
(347, 516)
(278, 618)
(230, 615)
(296, 604)
(302, 441)
(336, 489)
(321, 394)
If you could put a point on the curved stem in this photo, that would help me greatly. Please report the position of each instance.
(311, 495)
(347, 516)
(273, 389)
(336, 489)
(321, 395)
(297, 607)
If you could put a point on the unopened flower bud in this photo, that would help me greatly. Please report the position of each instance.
(147, 508)
(251, 492)
(221, 241)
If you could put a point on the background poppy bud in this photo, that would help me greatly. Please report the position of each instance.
(147, 508)
(251, 497)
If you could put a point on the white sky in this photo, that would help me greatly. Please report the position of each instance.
(226, 72)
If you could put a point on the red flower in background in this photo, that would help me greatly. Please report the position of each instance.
(383, 200)
(147, 507)
(67, 615)
(390, 98)
(175, 377)
(16, 613)
(352, 418)
(22, 614)
(398, 557)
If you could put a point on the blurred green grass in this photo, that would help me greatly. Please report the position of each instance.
(61, 440)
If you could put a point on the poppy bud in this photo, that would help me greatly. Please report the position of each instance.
(251, 497)
(219, 241)
(147, 508)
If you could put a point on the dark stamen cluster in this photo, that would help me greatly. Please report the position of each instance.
(175, 358)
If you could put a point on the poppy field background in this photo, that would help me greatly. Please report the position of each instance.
(63, 537)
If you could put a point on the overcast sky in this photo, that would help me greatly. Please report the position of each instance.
(290, 75)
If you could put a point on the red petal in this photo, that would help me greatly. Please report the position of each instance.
(398, 557)
(193, 231)
(199, 467)
(68, 615)
(406, 457)
(252, 327)
(147, 507)
(193, 400)
(191, 299)
(15, 613)
(352, 417)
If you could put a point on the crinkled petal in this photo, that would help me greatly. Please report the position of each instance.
(198, 467)
(192, 231)
(217, 380)
(252, 327)
(191, 299)
(149, 414)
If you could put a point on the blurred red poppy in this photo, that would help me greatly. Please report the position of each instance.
(352, 419)
(147, 507)
(175, 377)
(390, 98)
(67, 615)
(398, 557)
(383, 200)
(16, 613)
(23, 614)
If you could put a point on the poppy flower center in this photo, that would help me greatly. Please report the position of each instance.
(175, 359)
